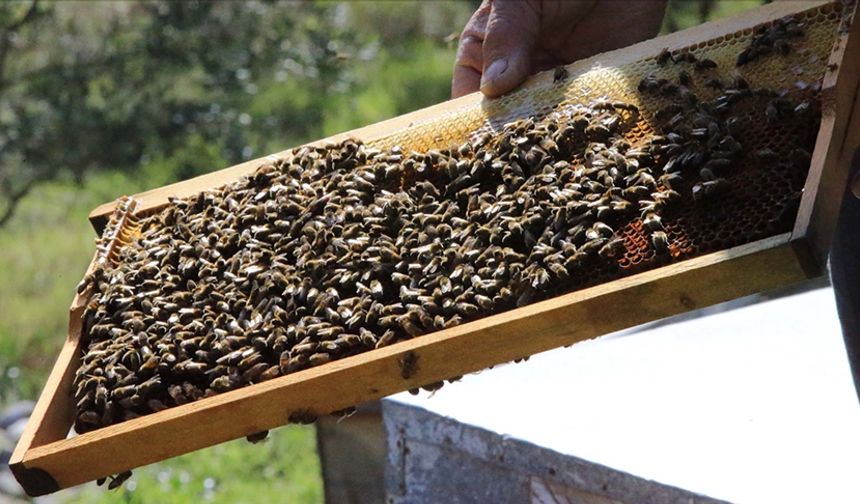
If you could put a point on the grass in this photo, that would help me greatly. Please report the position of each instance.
(284, 468)
(46, 249)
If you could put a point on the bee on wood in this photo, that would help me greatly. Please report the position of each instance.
(649, 83)
(669, 180)
(254, 373)
(777, 109)
(257, 437)
(559, 270)
(709, 188)
(686, 56)
(319, 358)
(225, 382)
(669, 89)
(745, 56)
(433, 387)
(766, 155)
(706, 174)
(156, 405)
(739, 83)
(302, 417)
(612, 248)
(408, 363)
(118, 480)
(592, 246)
(803, 108)
(268, 374)
(705, 64)
(669, 111)
(800, 157)
(793, 29)
(782, 46)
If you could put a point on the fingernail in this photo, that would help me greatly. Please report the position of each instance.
(494, 71)
(855, 186)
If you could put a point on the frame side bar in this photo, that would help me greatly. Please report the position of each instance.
(837, 137)
(54, 412)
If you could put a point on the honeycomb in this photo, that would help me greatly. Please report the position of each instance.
(761, 198)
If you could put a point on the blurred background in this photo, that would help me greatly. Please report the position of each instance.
(101, 99)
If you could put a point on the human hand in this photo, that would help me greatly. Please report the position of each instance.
(507, 40)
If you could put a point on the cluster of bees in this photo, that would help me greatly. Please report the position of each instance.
(338, 249)
(704, 135)
(344, 248)
(768, 39)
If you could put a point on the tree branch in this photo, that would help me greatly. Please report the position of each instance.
(14, 198)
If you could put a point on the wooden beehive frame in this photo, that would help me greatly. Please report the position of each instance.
(45, 460)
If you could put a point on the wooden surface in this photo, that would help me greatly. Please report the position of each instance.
(44, 461)
(560, 321)
(152, 199)
(54, 412)
(837, 138)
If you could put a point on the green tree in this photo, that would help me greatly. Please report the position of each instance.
(95, 86)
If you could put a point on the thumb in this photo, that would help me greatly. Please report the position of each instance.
(512, 32)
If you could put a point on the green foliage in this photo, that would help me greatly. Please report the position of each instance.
(405, 87)
(281, 469)
(682, 14)
(45, 251)
(117, 85)
(196, 157)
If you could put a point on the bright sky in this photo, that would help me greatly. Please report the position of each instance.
(752, 405)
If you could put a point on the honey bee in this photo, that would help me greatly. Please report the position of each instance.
(118, 480)
(745, 56)
(408, 363)
(303, 416)
(705, 64)
(257, 437)
(709, 188)
(612, 248)
(766, 155)
(660, 241)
